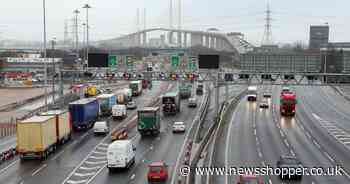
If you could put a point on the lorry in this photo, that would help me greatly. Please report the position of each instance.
(84, 113)
(90, 91)
(252, 93)
(148, 121)
(106, 102)
(136, 88)
(185, 90)
(199, 90)
(63, 124)
(123, 95)
(171, 103)
(288, 103)
(119, 111)
(36, 137)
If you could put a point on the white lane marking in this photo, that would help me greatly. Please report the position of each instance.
(57, 155)
(98, 158)
(99, 153)
(281, 132)
(76, 182)
(89, 168)
(84, 174)
(260, 154)
(39, 169)
(318, 146)
(286, 142)
(255, 132)
(83, 136)
(104, 145)
(132, 176)
(95, 163)
(228, 138)
(329, 157)
(270, 182)
(12, 139)
(10, 165)
(292, 152)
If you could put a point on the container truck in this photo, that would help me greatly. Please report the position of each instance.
(84, 113)
(288, 103)
(106, 102)
(63, 124)
(185, 90)
(171, 103)
(148, 121)
(136, 88)
(36, 137)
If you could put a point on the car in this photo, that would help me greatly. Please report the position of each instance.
(157, 172)
(250, 179)
(267, 95)
(286, 161)
(192, 102)
(264, 104)
(101, 127)
(131, 105)
(179, 127)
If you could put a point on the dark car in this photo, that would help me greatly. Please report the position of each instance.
(267, 95)
(289, 162)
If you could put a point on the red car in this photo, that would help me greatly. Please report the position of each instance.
(157, 172)
(250, 179)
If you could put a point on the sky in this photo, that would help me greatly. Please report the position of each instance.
(23, 19)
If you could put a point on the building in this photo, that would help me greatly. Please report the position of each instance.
(318, 35)
(237, 39)
(32, 65)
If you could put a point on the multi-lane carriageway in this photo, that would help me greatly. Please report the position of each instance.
(319, 135)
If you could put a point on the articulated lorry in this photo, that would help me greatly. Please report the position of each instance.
(171, 103)
(106, 102)
(84, 113)
(148, 121)
(136, 88)
(36, 137)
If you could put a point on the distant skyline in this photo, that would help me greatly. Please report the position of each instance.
(22, 20)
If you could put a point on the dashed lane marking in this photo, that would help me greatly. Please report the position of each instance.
(89, 168)
(84, 174)
(39, 169)
(76, 182)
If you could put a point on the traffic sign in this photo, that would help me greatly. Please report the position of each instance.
(112, 61)
(174, 61)
(129, 62)
(192, 63)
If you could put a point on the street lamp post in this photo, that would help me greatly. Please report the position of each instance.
(87, 7)
(45, 64)
(54, 69)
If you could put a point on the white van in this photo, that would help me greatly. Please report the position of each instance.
(101, 127)
(119, 111)
(120, 154)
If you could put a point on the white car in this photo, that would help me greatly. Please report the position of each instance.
(131, 105)
(179, 127)
(101, 127)
(192, 102)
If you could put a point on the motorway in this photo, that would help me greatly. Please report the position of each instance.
(318, 135)
(58, 166)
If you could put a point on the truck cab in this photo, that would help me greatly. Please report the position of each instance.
(288, 103)
(119, 111)
(252, 93)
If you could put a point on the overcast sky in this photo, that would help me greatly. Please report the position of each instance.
(22, 19)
